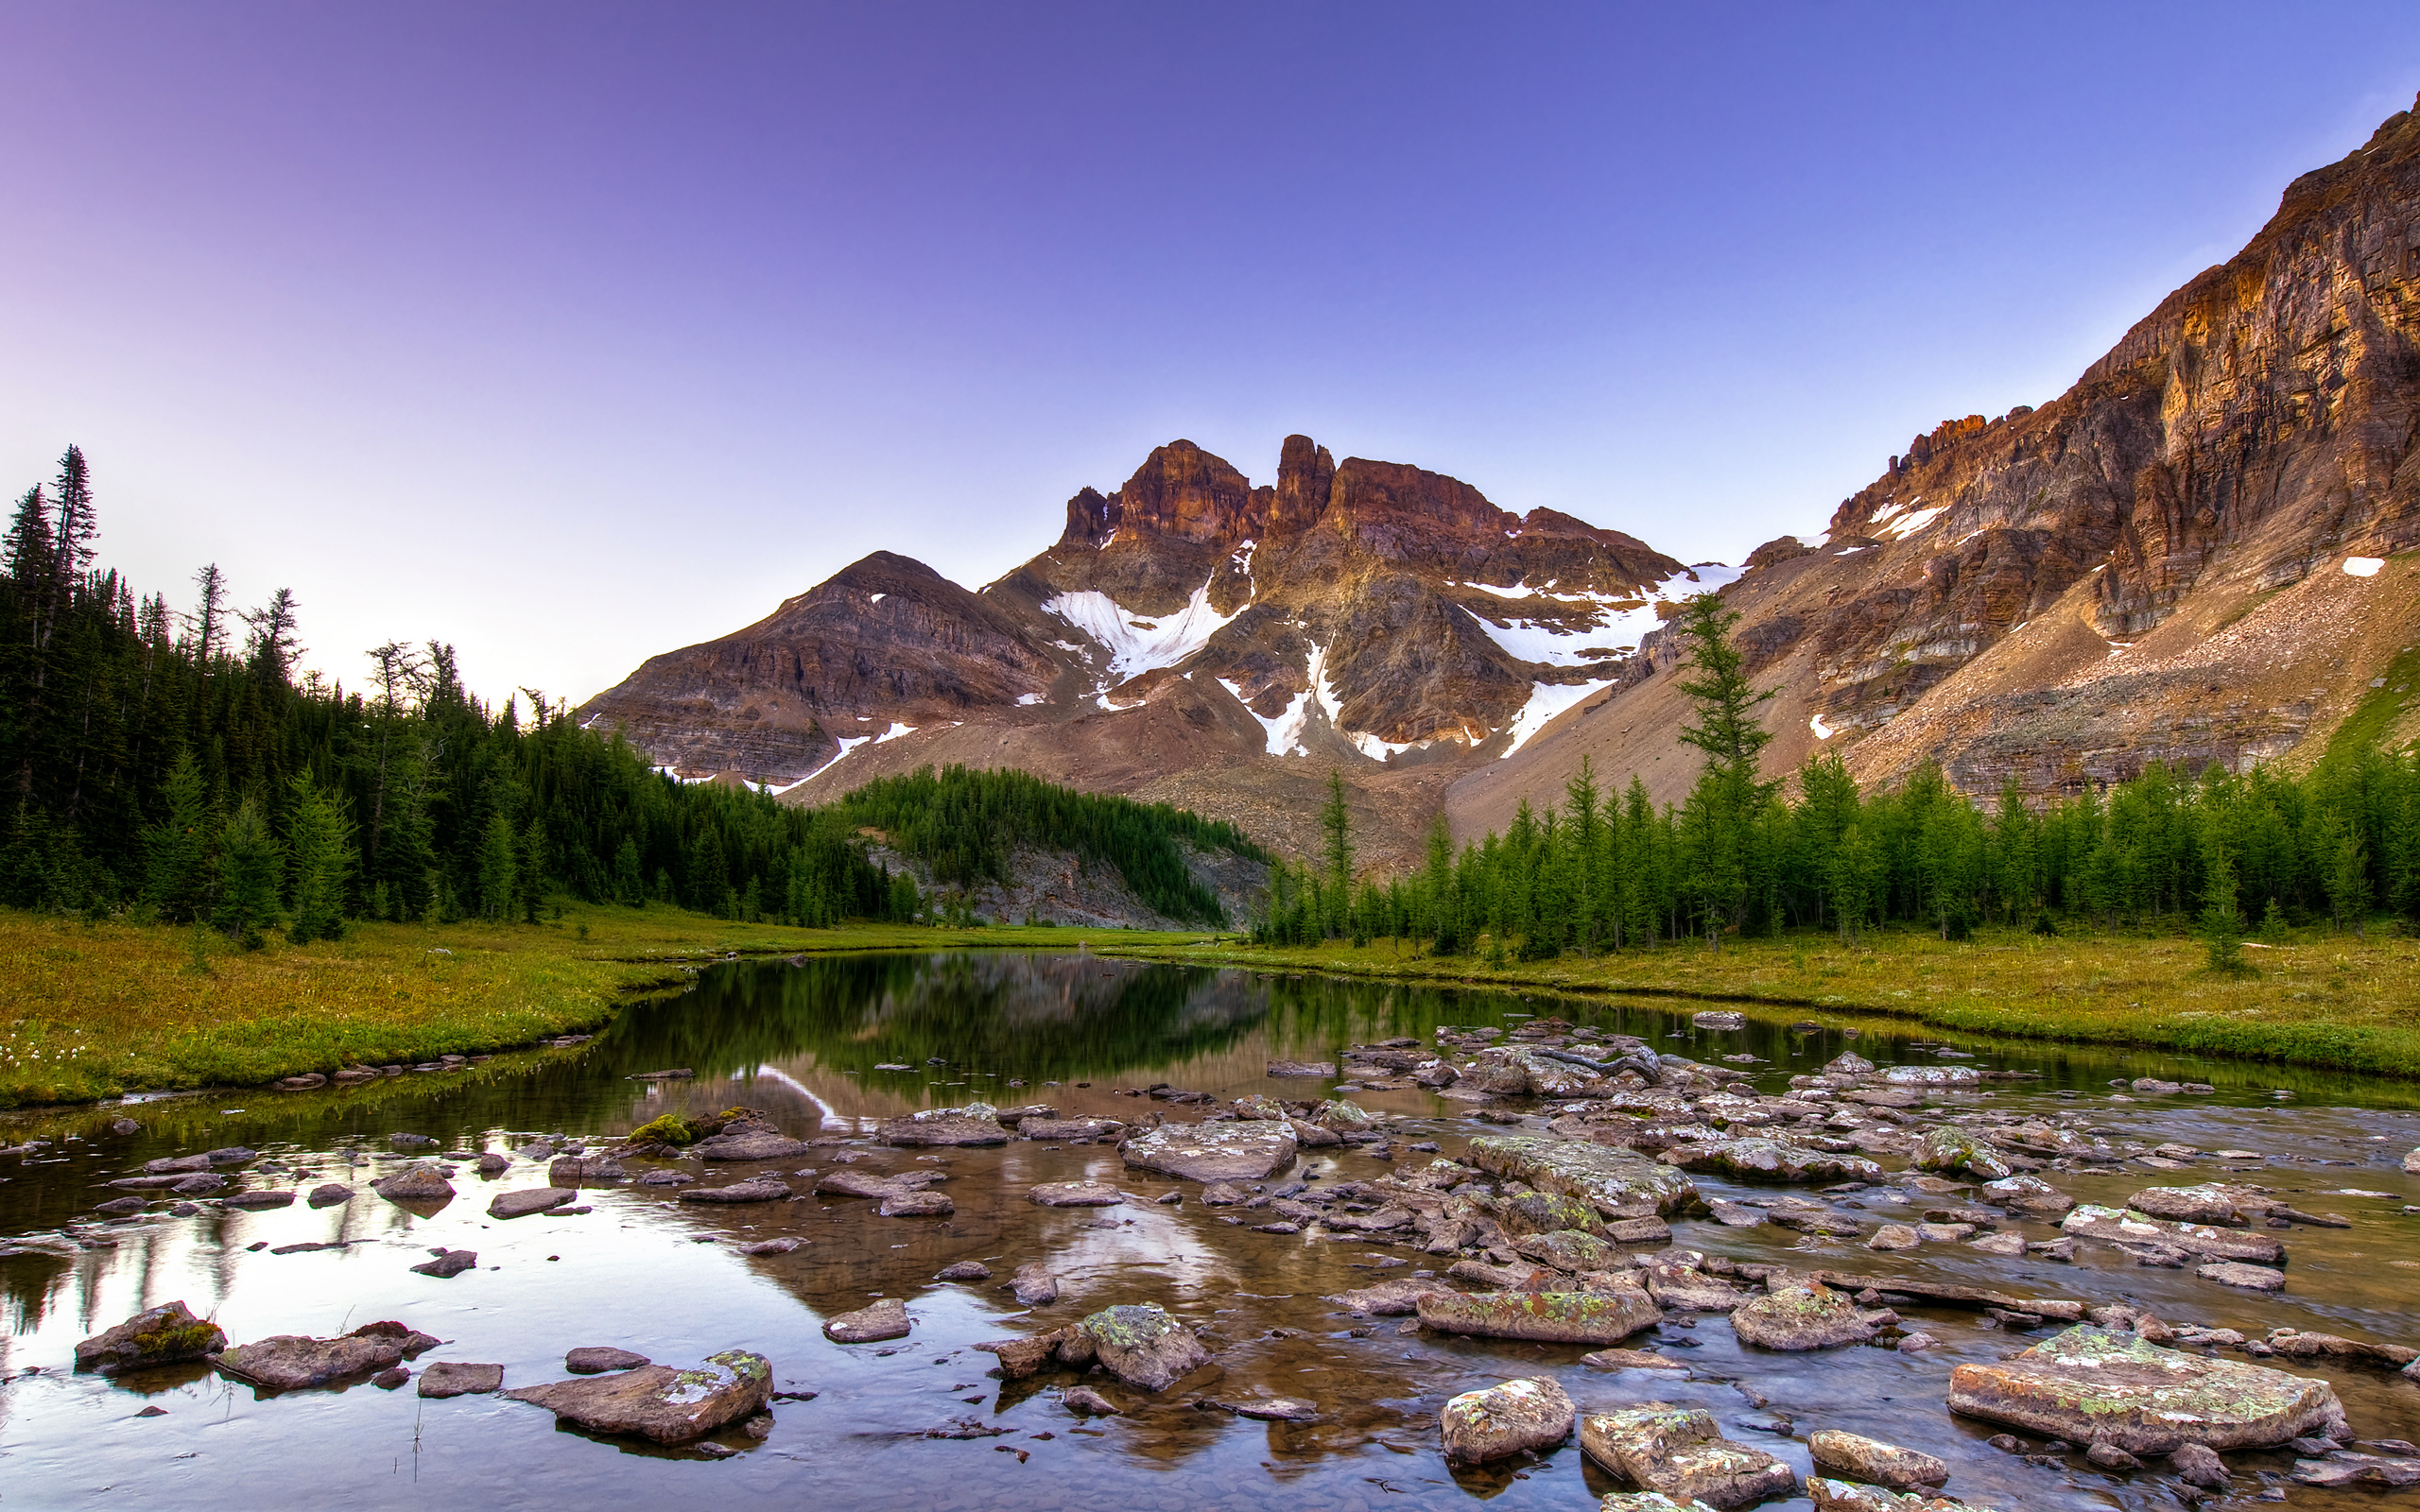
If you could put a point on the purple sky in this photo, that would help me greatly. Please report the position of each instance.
(574, 333)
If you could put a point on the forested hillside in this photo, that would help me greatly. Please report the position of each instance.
(1601, 870)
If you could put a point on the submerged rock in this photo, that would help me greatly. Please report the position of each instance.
(1870, 1459)
(870, 1324)
(658, 1402)
(755, 1189)
(1142, 1346)
(2235, 1273)
(1678, 1451)
(2091, 1384)
(451, 1378)
(965, 1270)
(1033, 1284)
(1397, 1298)
(2350, 1468)
(1612, 1179)
(288, 1362)
(1804, 1317)
(595, 1359)
(2111, 1226)
(915, 1205)
(1069, 1130)
(1771, 1161)
(157, 1336)
(1495, 1421)
(1075, 1194)
(1550, 1317)
(1239, 1151)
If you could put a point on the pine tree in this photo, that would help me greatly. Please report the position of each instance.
(252, 868)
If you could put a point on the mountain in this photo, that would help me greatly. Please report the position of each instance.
(1190, 638)
(2202, 552)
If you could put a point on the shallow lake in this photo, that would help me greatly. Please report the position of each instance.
(919, 1422)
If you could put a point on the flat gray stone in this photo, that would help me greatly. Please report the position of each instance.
(529, 1200)
(595, 1359)
(871, 1324)
(660, 1403)
(451, 1378)
(1240, 1151)
(2090, 1384)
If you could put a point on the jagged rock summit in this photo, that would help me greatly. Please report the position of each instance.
(1190, 633)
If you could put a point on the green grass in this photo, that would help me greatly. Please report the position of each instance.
(2316, 1000)
(94, 1010)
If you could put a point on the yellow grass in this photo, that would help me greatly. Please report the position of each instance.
(92, 1011)
(2318, 999)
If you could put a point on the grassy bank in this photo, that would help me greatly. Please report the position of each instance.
(2317, 1000)
(93, 1010)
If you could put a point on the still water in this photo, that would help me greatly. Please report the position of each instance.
(805, 1042)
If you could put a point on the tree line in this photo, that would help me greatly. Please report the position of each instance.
(1606, 870)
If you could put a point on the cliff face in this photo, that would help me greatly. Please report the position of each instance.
(2154, 566)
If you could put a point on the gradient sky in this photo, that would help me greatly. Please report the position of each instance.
(573, 332)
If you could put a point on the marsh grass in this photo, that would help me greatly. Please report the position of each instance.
(2313, 998)
(94, 1009)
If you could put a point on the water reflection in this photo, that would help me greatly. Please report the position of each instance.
(807, 1042)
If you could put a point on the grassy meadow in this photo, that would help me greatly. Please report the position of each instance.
(91, 1010)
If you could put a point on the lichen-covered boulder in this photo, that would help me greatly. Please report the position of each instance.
(2212, 1202)
(1142, 1346)
(1549, 1317)
(1608, 1178)
(1499, 1420)
(1812, 1316)
(1843, 1496)
(750, 1144)
(2091, 1384)
(1947, 1147)
(2111, 1226)
(1870, 1459)
(1677, 1451)
(1342, 1116)
(157, 1336)
(1242, 1151)
(1545, 1213)
(1754, 1160)
(658, 1402)
(1569, 1249)
(974, 1123)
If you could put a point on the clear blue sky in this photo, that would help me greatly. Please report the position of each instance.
(576, 331)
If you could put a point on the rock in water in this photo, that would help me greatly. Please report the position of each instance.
(1076, 1194)
(2348, 1468)
(491, 1163)
(1894, 1236)
(750, 1144)
(1804, 1317)
(451, 1378)
(2235, 1273)
(1034, 1285)
(529, 1200)
(1084, 1399)
(585, 1170)
(1070, 1131)
(1870, 1459)
(1389, 1299)
(1678, 1451)
(2199, 1464)
(2111, 1226)
(658, 1402)
(917, 1205)
(1771, 1161)
(2028, 1194)
(595, 1359)
(965, 1270)
(870, 1324)
(974, 1123)
(1609, 1178)
(288, 1362)
(157, 1335)
(1841, 1496)
(1949, 1148)
(449, 1265)
(1549, 1317)
(755, 1189)
(2091, 1384)
(1570, 1249)
(1240, 1151)
(417, 1182)
(1545, 1213)
(1499, 1420)
(1142, 1346)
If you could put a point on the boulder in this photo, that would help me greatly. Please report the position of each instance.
(1678, 1451)
(260, 1201)
(857, 1184)
(1023, 1357)
(417, 1182)
(1947, 1147)
(585, 1170)
(2212, 1202)
(1723, 1019)
(914, 1205)
(1548, 1317)
(1142, 1346)
(1544, 1212)
(1608, 1178)
(157, 1336)
(755, 1189)
(1088, 1402)
(974, 1123)
(870, 1324)
(750, 1144)
(1811, 1316)
(1069, 1130)
(1841, 1496)
(1870, 1459)
(2027, 1194)
(451, 1378)
(1238, 1151)
(1495, 1421)
(1341, 1116)
(1570, 1249)
(1688, 1289)
(965, 1270)
(289, 1362)
(1894, 1236)
(1931, 1077)
(199, 1184)
(328, 1193)
(492, 1163)
(529, 1200)
(448, 1264)
(2092, 1385)
(2411, 1163)
(658, 1402)
(2111, 1226)
(595, 1359)
(2235, 1273)
(2199, 1464)
(1755, 1159)
(1075, 1194)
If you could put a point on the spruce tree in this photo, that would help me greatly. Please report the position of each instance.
(499, 870)
(176, 856)
(319, 852)
(251, 868)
